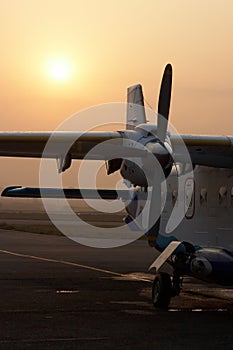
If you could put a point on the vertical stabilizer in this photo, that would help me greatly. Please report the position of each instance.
(135, 107)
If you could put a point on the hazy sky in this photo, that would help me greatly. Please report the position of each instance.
(109, 45)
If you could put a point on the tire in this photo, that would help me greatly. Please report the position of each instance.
(161, 290)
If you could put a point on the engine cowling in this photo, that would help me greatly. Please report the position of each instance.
(213, 265)
(133, 173)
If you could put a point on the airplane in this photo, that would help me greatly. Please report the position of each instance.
(186, 179)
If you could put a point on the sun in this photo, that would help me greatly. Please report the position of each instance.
(59, 70)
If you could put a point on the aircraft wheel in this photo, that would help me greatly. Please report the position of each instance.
(161, 290)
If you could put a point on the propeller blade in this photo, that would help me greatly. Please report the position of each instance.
(164, 102)
(155, 207)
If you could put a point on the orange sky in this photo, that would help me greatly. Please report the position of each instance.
(111, 45)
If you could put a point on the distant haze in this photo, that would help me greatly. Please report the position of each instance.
(106, 46)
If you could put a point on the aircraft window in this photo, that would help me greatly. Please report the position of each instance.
(222, 196)
(203, 197)
(174, 196)
(231, 196)
(189, 205)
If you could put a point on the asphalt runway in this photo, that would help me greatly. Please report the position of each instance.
(57, 294)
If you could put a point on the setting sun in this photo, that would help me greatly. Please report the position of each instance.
(59, 69)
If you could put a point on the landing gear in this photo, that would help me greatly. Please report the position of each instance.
(176, 283)
(164, 287)
(162, 290)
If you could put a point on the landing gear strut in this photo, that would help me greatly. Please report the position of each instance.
(164, 287)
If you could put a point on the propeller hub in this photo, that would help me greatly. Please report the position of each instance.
(162, 154)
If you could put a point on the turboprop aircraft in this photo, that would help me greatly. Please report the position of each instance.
(186, 179)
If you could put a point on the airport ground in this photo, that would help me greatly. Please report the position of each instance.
(57, 294)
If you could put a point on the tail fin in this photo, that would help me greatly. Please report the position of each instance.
(135, 107)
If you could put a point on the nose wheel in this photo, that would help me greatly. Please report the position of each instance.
(161, 290)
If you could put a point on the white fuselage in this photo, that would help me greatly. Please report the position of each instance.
(208, 220)
(208, 217)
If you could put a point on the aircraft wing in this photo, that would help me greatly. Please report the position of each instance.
(213, 151)
(32, 144)
(70, 193)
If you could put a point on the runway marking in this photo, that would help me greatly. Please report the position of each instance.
(61, 262)
(198, 310)
(123, 276)
(87, 267)
(67, 291)
(51, 340)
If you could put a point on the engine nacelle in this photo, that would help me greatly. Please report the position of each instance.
(213, 265)
(133, 173)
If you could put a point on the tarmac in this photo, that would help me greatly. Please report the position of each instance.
(57, 294)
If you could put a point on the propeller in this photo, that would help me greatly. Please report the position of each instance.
(155, 209)
(164, 103)
(157, 147)
(156, 142)
(161, 153)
